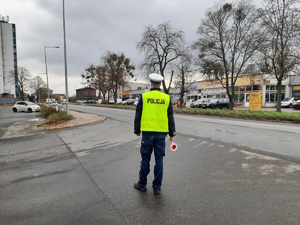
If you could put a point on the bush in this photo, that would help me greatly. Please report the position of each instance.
(58, 117)
(52, 116)
(46, 111)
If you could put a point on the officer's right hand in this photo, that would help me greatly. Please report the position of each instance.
(172, 138)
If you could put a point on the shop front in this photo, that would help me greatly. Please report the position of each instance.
(296, 91)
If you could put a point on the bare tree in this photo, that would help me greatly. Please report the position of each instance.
(23, 79)
(162, 45)
(228, 40)
(118, 68)
(279, 48)
(184, 74)
(37, 84)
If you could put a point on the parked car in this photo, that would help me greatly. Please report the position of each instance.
(53, 102)
(218, 103)
(197, 103)
(90, 101)
(135, 102)
(124, 102)
(112, 101)
(26, 106)
(296, 105)
(80, 101)
(288, 102)
(49, 102)
(189, 102)
(205, 102)
(129, 101)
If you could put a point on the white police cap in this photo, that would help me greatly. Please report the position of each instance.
(155, 78)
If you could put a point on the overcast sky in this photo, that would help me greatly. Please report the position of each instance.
(92, 28)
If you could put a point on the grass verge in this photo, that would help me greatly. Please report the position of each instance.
(244, 114)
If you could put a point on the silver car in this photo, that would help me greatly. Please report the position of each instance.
(205, 103)
(26, 106)
(288, 102)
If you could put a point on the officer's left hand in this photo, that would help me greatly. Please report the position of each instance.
(138, 134)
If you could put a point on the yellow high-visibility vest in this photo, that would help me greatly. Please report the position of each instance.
(155, 112)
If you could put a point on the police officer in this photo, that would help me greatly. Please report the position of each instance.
(154, 118)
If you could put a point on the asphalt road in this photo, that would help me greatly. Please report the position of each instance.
(85, 174)
(272, 138)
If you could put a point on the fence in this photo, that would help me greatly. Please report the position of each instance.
(9, 100)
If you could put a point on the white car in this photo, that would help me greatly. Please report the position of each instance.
(288, 102)
(112, 101)
(26, 106)
(128, 101)
(197, 103)
(189, 102)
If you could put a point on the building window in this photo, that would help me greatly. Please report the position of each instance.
(255, 87)
(236, 98)
(272, 97)
(267, 97)
(271, 93)
(241, 97)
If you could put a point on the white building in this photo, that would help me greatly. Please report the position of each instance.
(135, 90)
(8, 59)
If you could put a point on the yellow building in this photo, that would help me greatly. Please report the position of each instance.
(266, 84)
(243, 85)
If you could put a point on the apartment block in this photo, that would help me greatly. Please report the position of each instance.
(8, 59)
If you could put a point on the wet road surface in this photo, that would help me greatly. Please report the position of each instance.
(85, 175)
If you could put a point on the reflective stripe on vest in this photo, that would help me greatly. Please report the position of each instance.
(155, 112)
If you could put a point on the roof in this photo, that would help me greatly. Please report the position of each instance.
(80, 89)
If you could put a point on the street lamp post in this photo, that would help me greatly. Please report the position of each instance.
(45, 47)
(65, 59)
